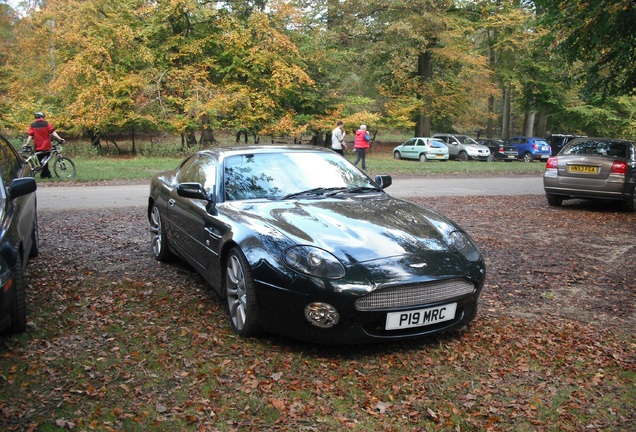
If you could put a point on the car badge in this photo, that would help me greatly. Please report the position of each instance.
(418, 265)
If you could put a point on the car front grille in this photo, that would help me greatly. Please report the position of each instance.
(413, 295)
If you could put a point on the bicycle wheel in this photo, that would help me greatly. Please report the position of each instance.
(64, 168)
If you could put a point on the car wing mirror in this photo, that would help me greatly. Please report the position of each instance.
(22, 186)
(383, 181)
(192, 190)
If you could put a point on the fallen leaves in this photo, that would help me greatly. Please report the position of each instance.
(121, 342)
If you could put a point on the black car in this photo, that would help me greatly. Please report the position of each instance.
(558, 141)
(499, 150)
(18, 235)
(300, 242)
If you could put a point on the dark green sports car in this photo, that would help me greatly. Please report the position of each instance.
(300, 242)
(18, 235)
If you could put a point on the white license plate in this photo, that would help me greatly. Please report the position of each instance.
(420, 317)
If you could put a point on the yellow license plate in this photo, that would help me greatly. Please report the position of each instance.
(583, 169)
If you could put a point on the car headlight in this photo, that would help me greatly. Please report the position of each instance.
(314, 262)
(464, 244)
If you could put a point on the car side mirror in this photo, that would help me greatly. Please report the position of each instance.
(383, 181)
(22, 186)
(192, 190)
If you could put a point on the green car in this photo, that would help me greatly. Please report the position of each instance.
(422, 149)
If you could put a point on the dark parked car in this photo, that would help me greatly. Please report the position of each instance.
(530, 148)
(300, 242)
(597, 168)
(558, 141)
(499, 150)
(18, 236)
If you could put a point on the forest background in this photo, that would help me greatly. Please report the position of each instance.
(292, 68)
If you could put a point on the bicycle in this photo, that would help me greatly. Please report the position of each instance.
(62, 166)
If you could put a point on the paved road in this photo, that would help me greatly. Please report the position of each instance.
(101, 197)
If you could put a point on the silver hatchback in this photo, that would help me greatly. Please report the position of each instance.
(592, 168)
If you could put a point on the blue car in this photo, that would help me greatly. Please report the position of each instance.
(530, 148)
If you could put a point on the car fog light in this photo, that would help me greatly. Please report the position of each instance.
(322, 315)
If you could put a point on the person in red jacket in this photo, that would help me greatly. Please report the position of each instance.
(361, 146)
(40, 132)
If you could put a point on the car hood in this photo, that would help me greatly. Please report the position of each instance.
(354, 229)
(477, 146)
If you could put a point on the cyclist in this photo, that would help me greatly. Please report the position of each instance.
(40, 131)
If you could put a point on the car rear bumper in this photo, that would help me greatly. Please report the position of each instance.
(613, 187)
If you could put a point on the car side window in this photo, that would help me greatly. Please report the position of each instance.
(410, 142)
(419, 142)
(9, 163)
(200, 169)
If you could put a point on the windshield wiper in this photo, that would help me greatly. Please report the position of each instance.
(354, 190)
(314, 191)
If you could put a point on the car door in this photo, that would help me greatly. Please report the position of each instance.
(453, 145)
(409, 150)
(23, 209)
(514, 142)
(192, 217)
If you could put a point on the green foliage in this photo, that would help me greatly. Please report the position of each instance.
(291, 68)
(600, 34)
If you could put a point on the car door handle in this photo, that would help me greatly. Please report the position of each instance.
(171, 202)
(212, 232)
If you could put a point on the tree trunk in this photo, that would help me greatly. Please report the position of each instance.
(490, 123)
(505, 118)
(191, 139)
(95, 139)
(528, 124)
(133, 150)
(425, 72)
(492, 61)
(542, 122)
(207, 137)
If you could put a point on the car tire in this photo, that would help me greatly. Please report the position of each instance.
(631, 203)
(18, 305)
(491, 157)
(397, 155)
(240, 294)
(462, 157)
(35, 240)
(423, 158)
(527, 157)
(554, 200)
(158, 238)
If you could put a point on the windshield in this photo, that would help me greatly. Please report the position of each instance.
(282, 174)
(466, 140)
(596, 147)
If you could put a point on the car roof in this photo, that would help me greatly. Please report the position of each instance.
(262, 149)
(580, 139)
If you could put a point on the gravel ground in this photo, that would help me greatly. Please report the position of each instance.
(576, 262)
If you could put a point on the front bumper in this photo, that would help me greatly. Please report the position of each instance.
(281, 311)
